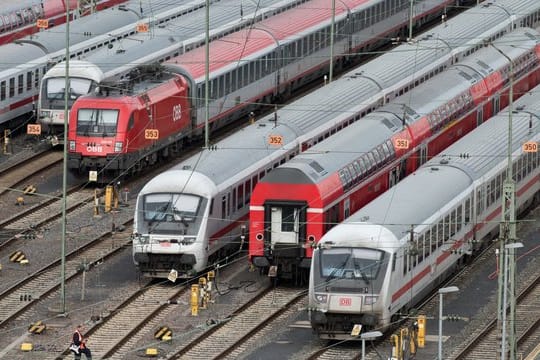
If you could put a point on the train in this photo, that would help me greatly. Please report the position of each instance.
(296, 204)
(24, 62)
(19, 18)
(375, 266)
(247, 69)
(189, 217)
(114, 63)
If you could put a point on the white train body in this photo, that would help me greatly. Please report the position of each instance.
(24, 62)
(404, 243)
(236, 168)
(194, 214)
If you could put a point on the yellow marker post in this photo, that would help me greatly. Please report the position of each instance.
(421, 331)
(108, 198)
(195, 300)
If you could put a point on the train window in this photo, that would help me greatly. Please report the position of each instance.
(2, 91)
(29, 81)
(357, 168)
(433, 238)
(446, 228)
(251, 71)
(440, 233)
(240, 201)
(372, 159)
(20, 84)
(427, 241)
(459, 218)
(223, 206)
(211, 207)
(247, 187)
(11, 87)
(352, 171)
(234, 199)
(228, 82)
(453, 223)
(131, 122)
(228, 204)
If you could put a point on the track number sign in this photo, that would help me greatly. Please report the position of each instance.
(142, 27)
(401, 143)
(33, 129)
(275, 140)
(42, 23)
(151, 134)
(530, 146)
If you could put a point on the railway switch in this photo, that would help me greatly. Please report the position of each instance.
(37, 328)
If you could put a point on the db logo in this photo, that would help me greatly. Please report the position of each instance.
(345, 301)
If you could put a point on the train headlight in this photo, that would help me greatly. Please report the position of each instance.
(118, 146)
(321, 298)
(187, 240)
(141, 239)
(71, 145)
(370, 300)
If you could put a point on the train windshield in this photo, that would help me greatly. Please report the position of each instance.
(97, 122)
(171, 207)
(55, 91)
(344, 268)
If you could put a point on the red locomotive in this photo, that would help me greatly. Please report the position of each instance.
(122, 129)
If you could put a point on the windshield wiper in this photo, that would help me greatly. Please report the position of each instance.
(332, 275)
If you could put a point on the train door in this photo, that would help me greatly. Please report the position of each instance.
(422, 155)
(286, 223)
(479, 116)
(495, 104)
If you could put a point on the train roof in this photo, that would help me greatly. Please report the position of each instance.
(334, 153)
(83, 29)
(360, 86)
(173, 36)
(401, 206)
(246, 43)
(238, 153)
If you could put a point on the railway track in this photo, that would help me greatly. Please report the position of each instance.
(45, 281)
(16, 173)
(486, 340)
(227, 338)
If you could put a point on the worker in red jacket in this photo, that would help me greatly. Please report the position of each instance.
(78, 345)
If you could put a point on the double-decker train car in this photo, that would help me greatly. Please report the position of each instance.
(224, 187)
(24, 62)
(115, 62)
(247, 68)
(384, 258)
(296, 204)
(19, 18)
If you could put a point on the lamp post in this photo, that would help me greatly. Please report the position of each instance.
(368, 336)
(511, 249)
(442, 291)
